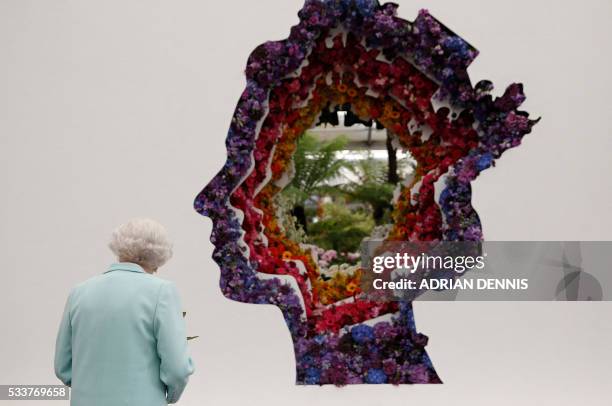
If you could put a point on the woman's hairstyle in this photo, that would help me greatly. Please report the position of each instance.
(143, 242)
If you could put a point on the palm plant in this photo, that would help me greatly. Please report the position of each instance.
(316, 163)
(371, 187)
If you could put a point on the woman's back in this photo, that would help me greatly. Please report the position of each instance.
(122, 340)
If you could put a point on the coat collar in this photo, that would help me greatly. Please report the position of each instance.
(125, 266)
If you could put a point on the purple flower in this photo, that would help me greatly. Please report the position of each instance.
(390, 367)
(418, 373)
(384, 330)
(473, 233)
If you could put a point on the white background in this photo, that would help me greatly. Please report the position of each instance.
(116, 109)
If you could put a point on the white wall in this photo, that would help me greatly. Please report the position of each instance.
(115, 109)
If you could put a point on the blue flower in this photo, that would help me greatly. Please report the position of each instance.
(376, 376)
(313, 376)
(484, 162)
(445, 196)
(307, 360)
(366, 7)
(456, 45)
(362, 333)
(319, 339)
(340, 5)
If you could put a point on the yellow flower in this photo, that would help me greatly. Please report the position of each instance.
(352, 287)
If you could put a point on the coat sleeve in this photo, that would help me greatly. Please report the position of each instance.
(176, 364)
(63, 347)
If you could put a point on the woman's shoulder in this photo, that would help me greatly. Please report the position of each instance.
(112, 280)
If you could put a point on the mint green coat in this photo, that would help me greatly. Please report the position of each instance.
(122, 340)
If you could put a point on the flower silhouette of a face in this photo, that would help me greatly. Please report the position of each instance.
(354, 53)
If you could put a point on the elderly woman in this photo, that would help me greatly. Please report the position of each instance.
(122, 338)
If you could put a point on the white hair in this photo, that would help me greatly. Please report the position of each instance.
(143, 242)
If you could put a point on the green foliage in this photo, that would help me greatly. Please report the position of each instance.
(340, 228)
(376, 194)
(315, 164)
(360, 203)
(371, 188)
(370, 171)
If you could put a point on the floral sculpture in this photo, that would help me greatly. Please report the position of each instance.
(390, 70)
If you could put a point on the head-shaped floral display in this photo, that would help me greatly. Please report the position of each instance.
(411, 77)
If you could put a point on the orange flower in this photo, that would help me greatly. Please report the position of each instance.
(287, 255)
(352, 287)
